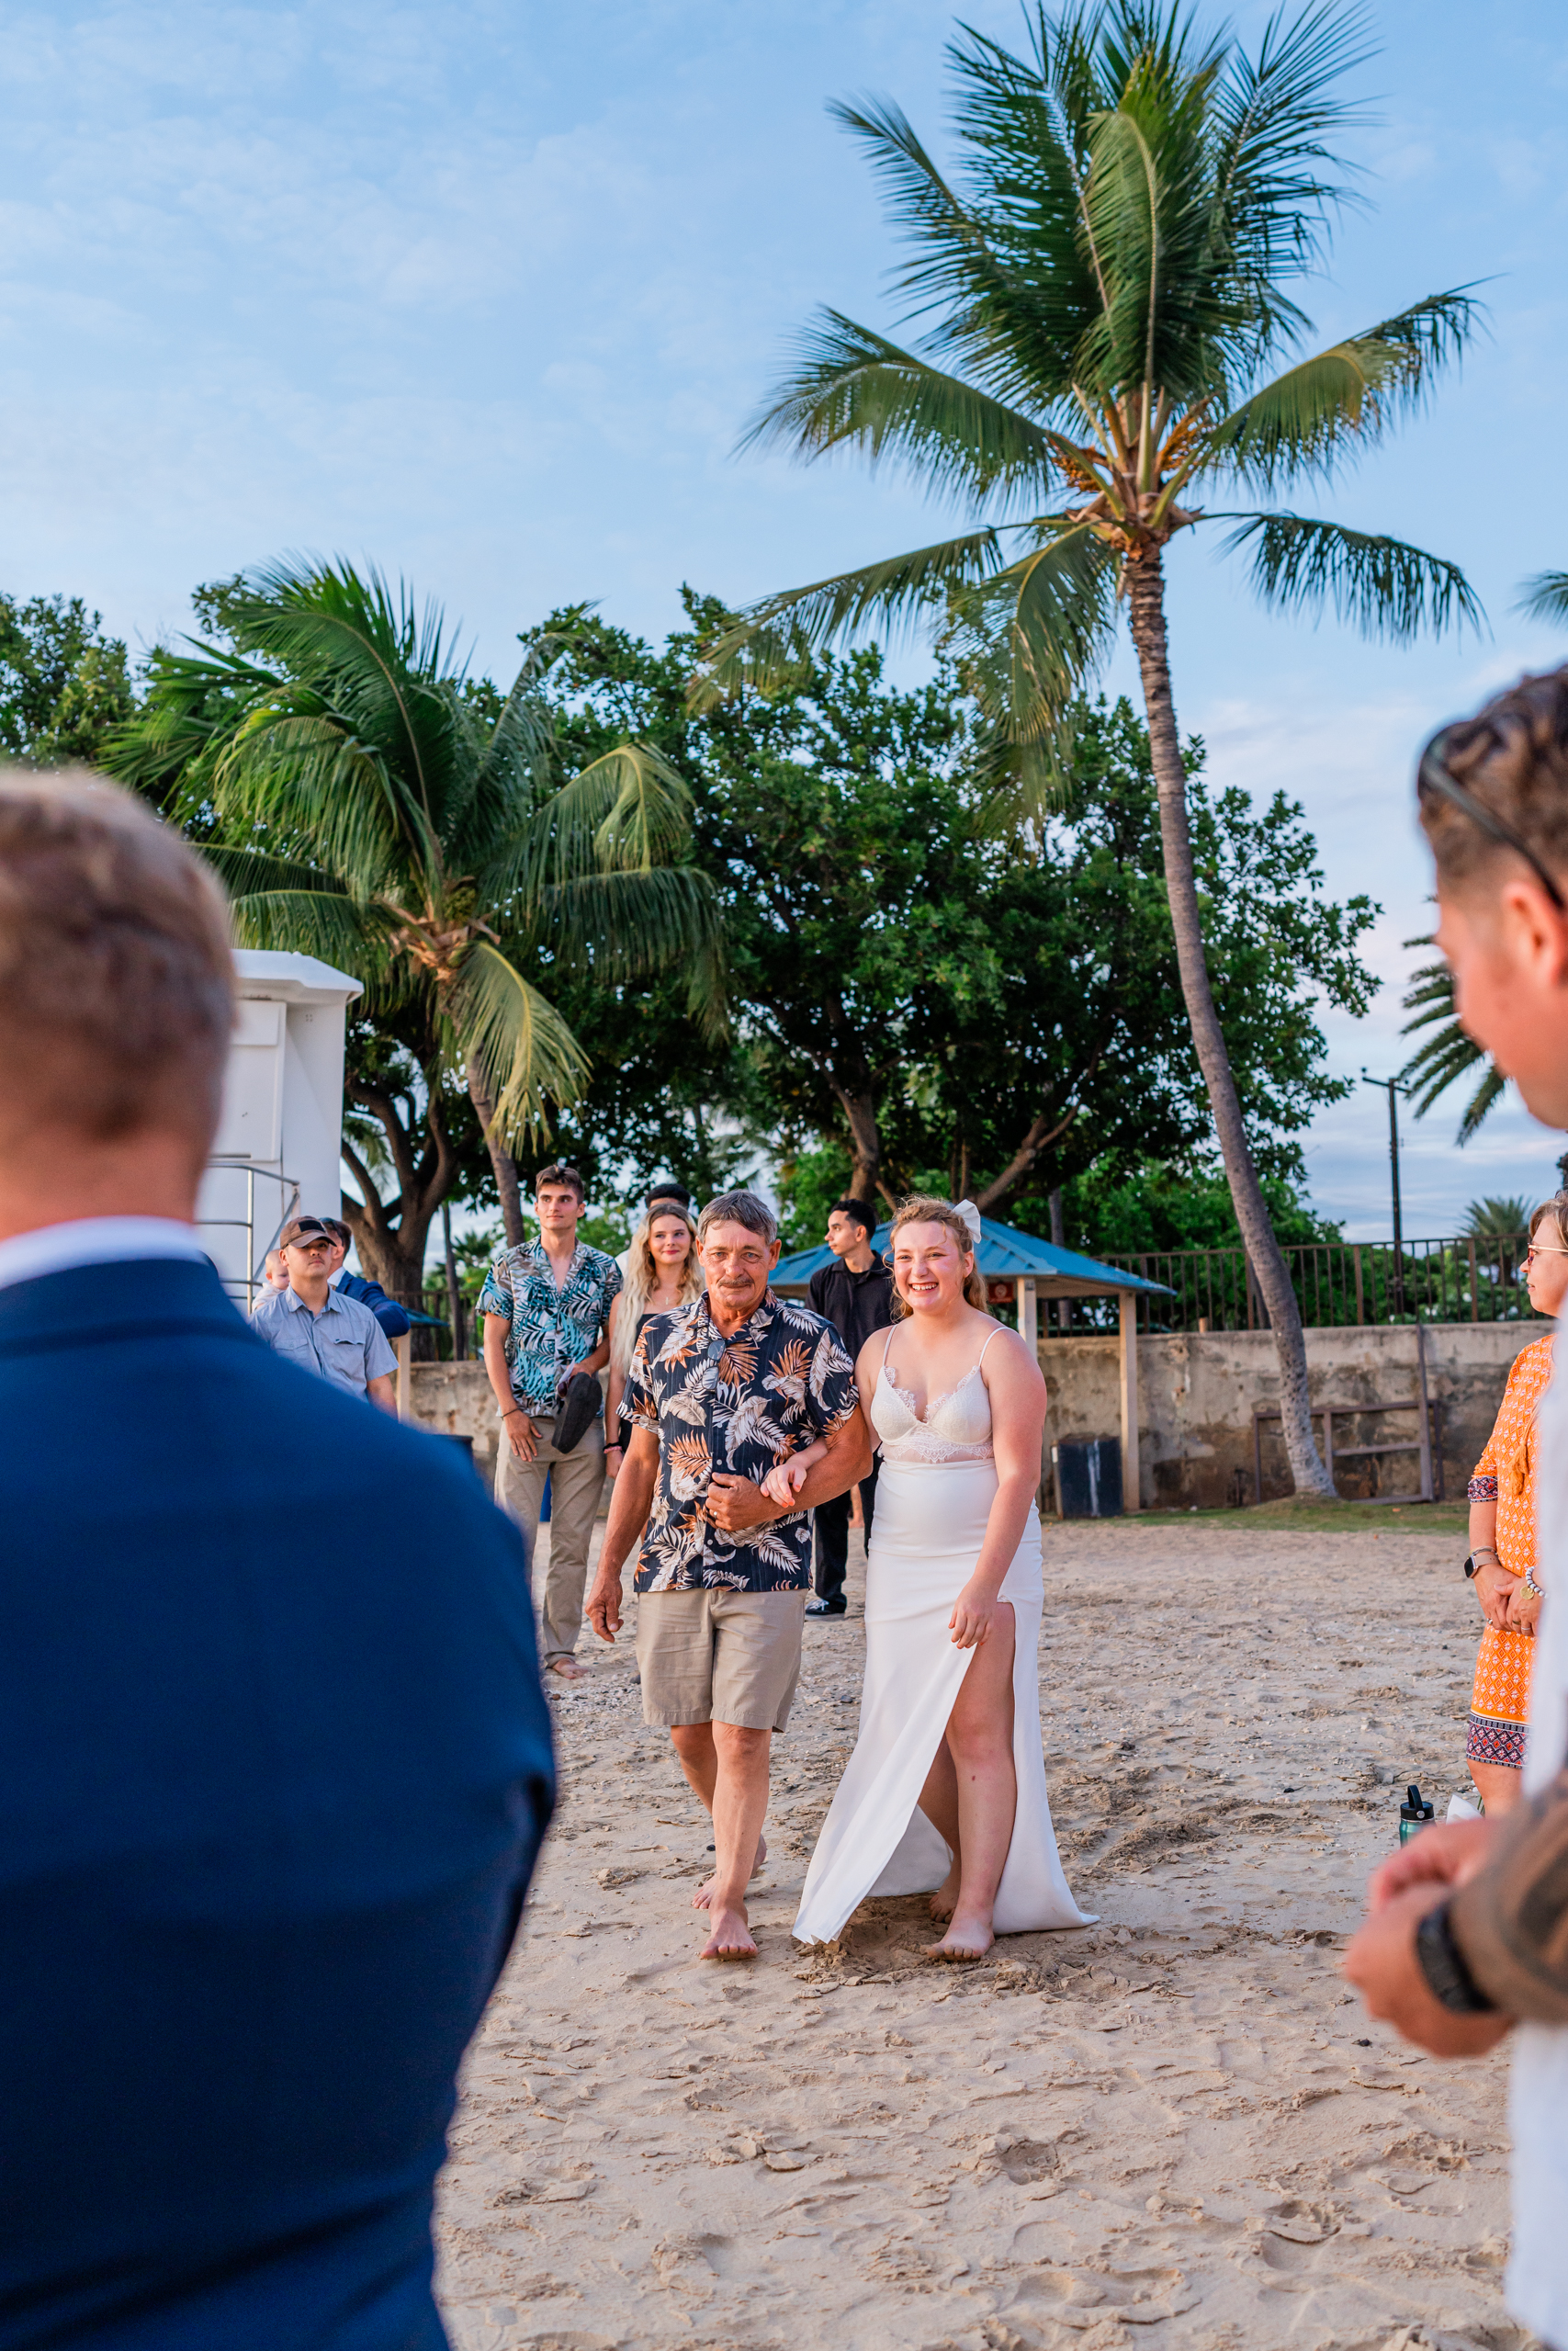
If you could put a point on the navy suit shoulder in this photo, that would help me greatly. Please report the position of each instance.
(275, 1764)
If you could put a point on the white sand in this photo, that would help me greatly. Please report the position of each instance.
(1173, 2129)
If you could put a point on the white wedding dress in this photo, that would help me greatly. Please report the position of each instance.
(933, 1497)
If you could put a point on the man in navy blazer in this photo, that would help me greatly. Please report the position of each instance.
(273, 1774)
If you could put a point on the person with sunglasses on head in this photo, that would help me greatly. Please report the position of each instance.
(1502, 1535)
(1466, 1936)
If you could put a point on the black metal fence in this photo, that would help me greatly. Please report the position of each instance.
(1334, 1281)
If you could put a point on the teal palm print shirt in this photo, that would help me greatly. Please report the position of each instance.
(549, 1330)
(740, 1403)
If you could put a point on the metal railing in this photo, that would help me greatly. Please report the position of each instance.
(243, 1287)
(1335, 1283)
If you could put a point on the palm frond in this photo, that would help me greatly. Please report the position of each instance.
(315, 922)
(1028, 639)
(1487, 1097)
(767, 646)
(527, 1054)
(1381, 586)
(854, 388)
(1279, 183)
(620, 926)
(1451, 1053)
(1015, 325)
(1346, 397)
(628, 812)
(1545, 597)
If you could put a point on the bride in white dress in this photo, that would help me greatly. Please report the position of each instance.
(945, 1791)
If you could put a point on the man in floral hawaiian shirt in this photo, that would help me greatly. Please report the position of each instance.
(547, 1309)
(720, 1392)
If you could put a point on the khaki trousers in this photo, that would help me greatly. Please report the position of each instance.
(576, 1480)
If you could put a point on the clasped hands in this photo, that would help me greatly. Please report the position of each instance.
(1382, 1962)
(1505, 1603)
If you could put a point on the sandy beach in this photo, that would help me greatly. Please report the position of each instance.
(1174, 2128)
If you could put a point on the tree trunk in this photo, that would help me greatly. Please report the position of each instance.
(1145, 585)
(501, 1159)
(860, 1113)
(1060, 1241)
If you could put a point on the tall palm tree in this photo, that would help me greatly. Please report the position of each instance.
(1106, 332)
(360, 805)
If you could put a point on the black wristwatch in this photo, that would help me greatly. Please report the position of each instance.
(1472, 1564)
(1442, 1964)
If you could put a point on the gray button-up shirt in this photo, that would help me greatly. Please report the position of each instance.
(343, 1343)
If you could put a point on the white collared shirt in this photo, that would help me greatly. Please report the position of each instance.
(95, 1240)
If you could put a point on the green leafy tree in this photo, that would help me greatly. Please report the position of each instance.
(360, 805)
(64, 686)
(922, 1000)
(1109, 337)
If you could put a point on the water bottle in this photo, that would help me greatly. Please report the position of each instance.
(1413, 1814)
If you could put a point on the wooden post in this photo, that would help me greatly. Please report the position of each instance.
(403, 1350)
(1129, 1496)
(1028, 1313)
(1425, 1410)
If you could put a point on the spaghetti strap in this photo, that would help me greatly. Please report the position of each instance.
(981, 1356)
(886, 1345)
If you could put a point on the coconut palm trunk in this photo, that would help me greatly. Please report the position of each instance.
(1146, 595)
(481, 1093)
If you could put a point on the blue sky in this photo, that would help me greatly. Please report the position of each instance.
(485, 293)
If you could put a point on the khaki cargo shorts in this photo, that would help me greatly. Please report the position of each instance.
(720, 1656)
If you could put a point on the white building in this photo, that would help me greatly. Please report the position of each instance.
(279, 1141)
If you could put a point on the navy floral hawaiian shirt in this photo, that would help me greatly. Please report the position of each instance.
(742, 1405)
(551, 1330)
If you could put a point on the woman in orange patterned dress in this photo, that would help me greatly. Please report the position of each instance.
(1502, 1535)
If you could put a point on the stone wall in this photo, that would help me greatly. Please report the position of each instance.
(1197, 1393)
(456, 1400)
(1195, 1400)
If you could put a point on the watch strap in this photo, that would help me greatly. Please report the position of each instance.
(1442, 1964)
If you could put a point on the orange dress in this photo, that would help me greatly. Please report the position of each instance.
(1499, 1701)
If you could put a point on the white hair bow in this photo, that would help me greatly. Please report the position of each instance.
(971, 1216)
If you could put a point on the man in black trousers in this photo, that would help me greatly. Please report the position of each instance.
(856, 1294)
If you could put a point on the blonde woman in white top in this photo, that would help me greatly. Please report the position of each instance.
(662, 1273)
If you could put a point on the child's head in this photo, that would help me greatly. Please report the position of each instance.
(1493, 799)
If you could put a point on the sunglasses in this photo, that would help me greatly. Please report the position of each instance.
(1432, 775)
(1543, 1248)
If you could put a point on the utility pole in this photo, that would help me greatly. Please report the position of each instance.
(1394, 1090)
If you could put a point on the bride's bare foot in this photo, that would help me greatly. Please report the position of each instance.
(703, 1897)
(944, 1901)
(966, 1939)
(731, 1938)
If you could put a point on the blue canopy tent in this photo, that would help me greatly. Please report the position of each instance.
(1020, 1270)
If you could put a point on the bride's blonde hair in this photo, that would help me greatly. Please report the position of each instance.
(642, 1280)
(919, 1210)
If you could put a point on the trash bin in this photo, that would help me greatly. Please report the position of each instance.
(1088, 1477)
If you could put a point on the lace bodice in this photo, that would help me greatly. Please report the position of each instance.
(957, 1426)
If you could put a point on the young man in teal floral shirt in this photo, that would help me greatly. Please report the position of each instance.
(546, 1310)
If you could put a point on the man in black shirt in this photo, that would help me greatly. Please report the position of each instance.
(856, 1294)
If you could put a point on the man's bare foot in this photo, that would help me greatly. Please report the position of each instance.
(567, 1668)
(944, 1901)
(966, 1939)
(731, 1938)
(703, 1897)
